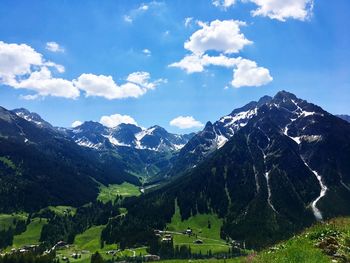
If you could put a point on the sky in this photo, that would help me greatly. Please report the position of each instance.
(173, 63)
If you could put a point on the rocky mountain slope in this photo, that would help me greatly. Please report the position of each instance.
(286, 167)
(95, 135)
(40, 166)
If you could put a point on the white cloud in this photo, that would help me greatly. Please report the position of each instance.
(76, 124)
(283, 9)
(196, 63)
(223, 36)
(29, 97)
(248, 73)
(224, 3)
(143, 7)
(186, 122)
(45, 85)
(245, 73)
(275, 9)
(17, 60)
(128, 19)
(147, 52)
(190, 63)
(21, 67)
(188, 21)
(54, 47)
(104, 86)
(116, 119)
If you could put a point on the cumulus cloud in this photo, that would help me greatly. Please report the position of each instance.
(54, 47)
(245, 72)
(138, 83)
(248, 74)
(44, 84)
(76, 124)
(21, 67)
(275, 9)
(196, 63)
(224, 36)
(186, 122)
(281, 10)
(116, 119)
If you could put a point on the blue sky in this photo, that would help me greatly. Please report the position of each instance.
(102, 43)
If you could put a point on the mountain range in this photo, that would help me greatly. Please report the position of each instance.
(284, 166)
(268, 169)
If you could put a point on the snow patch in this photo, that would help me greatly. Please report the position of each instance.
(269, 191)
(220, 141)
(86, 143)
(114, 141)
(315, 210)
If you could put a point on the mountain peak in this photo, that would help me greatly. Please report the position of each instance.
(285, 95)
(32, 117)
(263, 100)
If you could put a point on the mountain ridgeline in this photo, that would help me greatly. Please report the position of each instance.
(285, 165)
(42, 165)
(268, 170)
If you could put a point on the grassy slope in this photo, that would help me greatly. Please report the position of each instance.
(63, 210)
(109, 193)
(32, 235)
(90, 241)
(301, 248)
(199, 225)
(6, 220)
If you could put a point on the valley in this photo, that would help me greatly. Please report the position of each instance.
(268, 182)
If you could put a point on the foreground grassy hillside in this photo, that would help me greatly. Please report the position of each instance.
(323, 243)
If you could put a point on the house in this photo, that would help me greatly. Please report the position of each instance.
(167, 238)
(189, 231)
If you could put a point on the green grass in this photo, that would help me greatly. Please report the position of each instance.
(230, 260)
(303, 248)
(32, 235)
(63, 210)
(6, 220)
(199, 225)
(90, 241)
(110, 193)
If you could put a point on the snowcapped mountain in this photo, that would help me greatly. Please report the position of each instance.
(95, 135)
(41, 166)
(215, 135)
(285, 167)
(32, 117)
